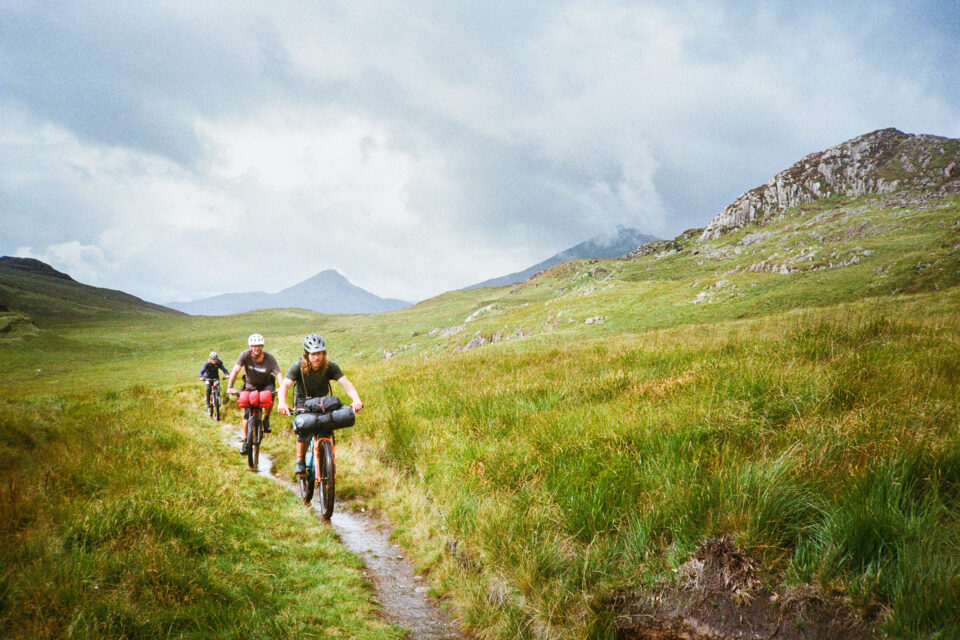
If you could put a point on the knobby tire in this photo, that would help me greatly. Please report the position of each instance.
(253, 441)
(327, 477)
(306, 484)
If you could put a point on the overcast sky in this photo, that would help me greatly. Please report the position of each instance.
(176, 150)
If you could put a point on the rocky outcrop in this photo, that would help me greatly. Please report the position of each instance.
(884, 161)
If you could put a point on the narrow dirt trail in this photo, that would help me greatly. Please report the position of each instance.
(401, 593)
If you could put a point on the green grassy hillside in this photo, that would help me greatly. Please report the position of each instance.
(551, 446)
(40, 294)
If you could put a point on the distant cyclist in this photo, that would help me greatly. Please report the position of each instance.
(259, 369)
(210, 372)
(311, 376)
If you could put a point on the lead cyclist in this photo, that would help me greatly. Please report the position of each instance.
(311, 376)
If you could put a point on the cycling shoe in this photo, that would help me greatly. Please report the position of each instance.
(301, 468)
(243, 448)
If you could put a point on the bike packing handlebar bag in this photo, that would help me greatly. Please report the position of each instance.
(243, 400)
(266, 398)
(325, 404)
(311, 424)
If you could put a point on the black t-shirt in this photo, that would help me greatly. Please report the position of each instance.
(317, 384)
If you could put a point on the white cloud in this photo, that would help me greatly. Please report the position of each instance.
(84, 263)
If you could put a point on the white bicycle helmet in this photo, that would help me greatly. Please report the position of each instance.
(314, 344)
(213, 355)
(254, 340)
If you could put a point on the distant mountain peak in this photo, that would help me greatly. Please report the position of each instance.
(328, 291)
(618, 242)
(881, 161)
(327, 275)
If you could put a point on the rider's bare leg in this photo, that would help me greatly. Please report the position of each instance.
(301, 449)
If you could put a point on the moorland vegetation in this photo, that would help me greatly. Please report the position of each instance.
(550, 452)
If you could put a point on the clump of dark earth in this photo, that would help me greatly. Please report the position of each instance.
(718, 593)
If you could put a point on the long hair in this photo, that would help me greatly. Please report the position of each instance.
(305, 363)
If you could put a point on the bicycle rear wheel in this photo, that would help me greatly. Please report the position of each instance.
(327, 477)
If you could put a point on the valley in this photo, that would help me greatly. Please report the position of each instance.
(558, 457)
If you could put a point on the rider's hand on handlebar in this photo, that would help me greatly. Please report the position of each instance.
(357, 406)
(284, 409)
(232, 391)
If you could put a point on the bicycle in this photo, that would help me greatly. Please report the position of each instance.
(322, 472)
(213, 400)
(254, 431)
(321, 459)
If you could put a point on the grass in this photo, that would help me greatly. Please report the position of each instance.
(825, 440)
(794, 385)
(124, 517)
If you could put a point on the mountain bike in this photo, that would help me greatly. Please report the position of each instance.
(213, 401)
(321, 472)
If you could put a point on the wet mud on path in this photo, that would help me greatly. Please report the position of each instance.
(401, 593)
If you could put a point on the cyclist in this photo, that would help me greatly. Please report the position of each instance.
(210, 372)
(259, 370)
(311, 376)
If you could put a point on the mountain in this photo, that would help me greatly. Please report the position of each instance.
(34, 288)
(326, 292)
(883, 161)
(625, 240)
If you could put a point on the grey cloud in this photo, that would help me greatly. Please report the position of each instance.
(553, 121)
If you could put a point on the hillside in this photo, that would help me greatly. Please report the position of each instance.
(326, 292)
(36, 290)
(883, 161)
(622, 242)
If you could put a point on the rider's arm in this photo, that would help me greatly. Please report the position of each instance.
(233, 377)
(283, 407)
(352, 392)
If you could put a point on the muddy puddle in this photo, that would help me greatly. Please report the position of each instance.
(401, 593)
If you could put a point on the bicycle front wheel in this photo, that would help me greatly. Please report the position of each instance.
(216, 404)
(328, 474)
(306, 484)
(253, 441)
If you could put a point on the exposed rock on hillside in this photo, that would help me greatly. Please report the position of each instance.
(884, 161)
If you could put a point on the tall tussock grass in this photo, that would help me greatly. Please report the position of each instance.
(826, 441)
(124, 517)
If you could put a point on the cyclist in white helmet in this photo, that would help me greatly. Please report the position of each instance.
(259, 370)
(310, 376)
